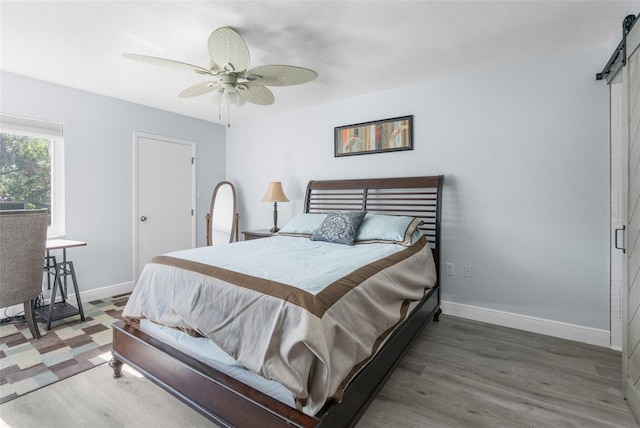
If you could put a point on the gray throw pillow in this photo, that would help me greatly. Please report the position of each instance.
(339, 228)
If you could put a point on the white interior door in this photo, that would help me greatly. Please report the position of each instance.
(164, 196)
(631, 314)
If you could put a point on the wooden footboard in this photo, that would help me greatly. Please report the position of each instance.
(230, 403)
(217, 396)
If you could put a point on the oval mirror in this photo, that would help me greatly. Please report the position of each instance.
(222, 218)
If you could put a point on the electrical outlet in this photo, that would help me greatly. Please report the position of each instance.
(449, 268)
(467, 271)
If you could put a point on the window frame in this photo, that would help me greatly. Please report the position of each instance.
(53, 132)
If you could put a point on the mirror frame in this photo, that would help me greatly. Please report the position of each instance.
(233, 236)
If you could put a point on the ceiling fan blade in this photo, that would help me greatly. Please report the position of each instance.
(256, 94)
(199, 89)
(228, 50)
(177, 65)
(280, 75)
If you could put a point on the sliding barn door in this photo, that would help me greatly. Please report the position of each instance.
(631, 314)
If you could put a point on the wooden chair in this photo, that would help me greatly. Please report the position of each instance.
(23, 237)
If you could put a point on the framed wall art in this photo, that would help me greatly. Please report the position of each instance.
(379, 136)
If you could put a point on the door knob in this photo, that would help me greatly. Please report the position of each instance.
(143, 218)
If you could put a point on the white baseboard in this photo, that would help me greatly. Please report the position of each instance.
(85, 296)
(104, 292)
(559, 329)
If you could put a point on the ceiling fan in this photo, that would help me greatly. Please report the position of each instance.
(230, 80)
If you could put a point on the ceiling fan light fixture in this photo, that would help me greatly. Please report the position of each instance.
(240, 102)
(230, 96)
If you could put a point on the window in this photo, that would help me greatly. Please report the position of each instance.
(32, 167)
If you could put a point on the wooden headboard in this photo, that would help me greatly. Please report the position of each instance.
(412, 196)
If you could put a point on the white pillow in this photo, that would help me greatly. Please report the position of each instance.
(387, 228)
(303, 224)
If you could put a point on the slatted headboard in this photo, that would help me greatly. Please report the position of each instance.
(413, 196)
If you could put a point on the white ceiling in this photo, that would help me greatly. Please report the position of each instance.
(355, 46)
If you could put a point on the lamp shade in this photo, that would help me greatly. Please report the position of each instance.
(275, 193)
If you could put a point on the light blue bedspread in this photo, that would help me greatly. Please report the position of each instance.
(315, 264)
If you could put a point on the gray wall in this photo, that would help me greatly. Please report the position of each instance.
(98, 137)
(525, 152)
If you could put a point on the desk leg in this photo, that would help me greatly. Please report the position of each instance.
(75, 287)
(60, 274)
(64, 275)
(56, 284)
(49, 265)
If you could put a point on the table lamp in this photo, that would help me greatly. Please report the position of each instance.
(275, 194)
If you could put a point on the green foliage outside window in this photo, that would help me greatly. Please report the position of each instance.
(25, 170)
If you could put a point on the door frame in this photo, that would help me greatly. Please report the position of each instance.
(136, 211)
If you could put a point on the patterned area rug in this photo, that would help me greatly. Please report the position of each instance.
(70, 347)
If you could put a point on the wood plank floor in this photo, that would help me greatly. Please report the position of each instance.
(466, 373)
(459, 373)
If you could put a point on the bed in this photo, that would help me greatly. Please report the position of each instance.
(319, 400)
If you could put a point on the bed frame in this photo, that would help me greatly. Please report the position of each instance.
(230, 403)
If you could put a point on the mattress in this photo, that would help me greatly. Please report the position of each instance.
(207, 352)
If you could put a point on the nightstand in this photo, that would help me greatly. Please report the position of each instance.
(256, 234)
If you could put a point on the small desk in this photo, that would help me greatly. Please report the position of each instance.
(60, 271)
(256, 234)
